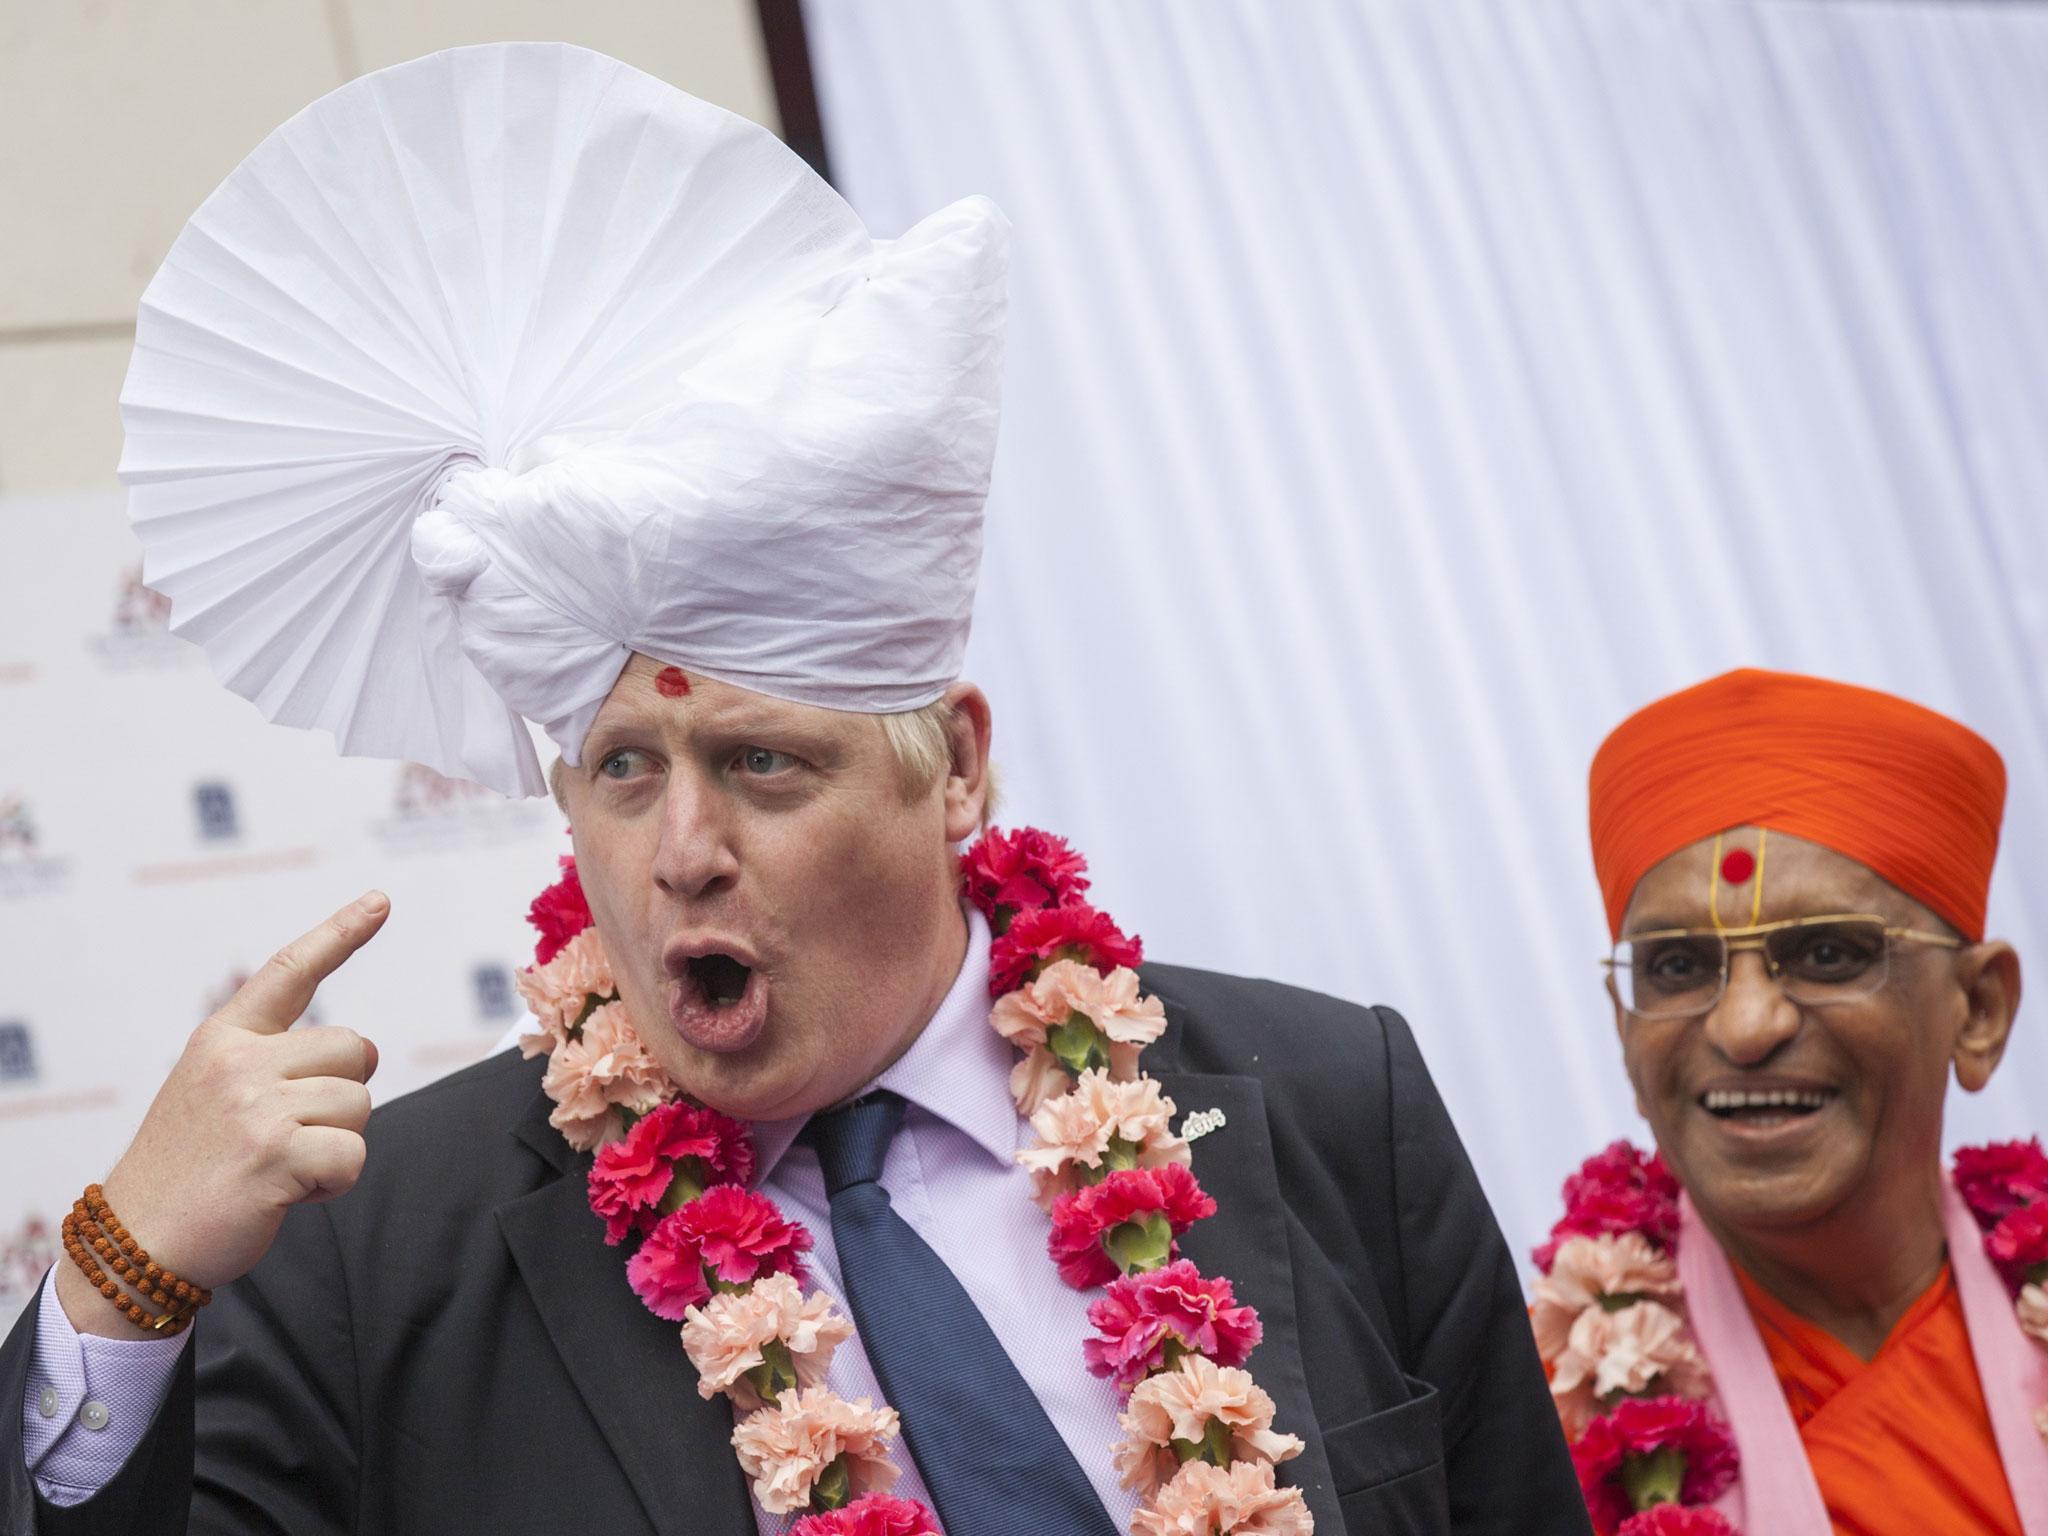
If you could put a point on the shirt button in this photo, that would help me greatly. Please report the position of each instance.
(93, 1415)
(48, 1402)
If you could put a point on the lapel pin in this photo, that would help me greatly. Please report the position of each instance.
(1201, 1123)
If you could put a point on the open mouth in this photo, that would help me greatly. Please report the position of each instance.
(1761, 1108)
(718, 1003)
(719, 979)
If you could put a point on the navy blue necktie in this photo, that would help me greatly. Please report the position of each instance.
(992, 1461)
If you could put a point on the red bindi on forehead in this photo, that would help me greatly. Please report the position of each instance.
(1738, 866)
(671, 683)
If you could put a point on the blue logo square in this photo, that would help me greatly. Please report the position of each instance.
(215, 803)
(495, 997)
(17, 1053)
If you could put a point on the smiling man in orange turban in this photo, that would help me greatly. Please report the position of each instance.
(1795, 874)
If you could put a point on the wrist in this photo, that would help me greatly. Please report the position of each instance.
(85, 1308)
(107, 1258)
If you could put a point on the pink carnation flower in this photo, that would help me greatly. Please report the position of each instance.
(2019, 1244)
(559, 913)
(1240, 1500)
(630, 1177)
(727, 1336)
(1021, 871)
(604, 1069)
(1640, 1426)
(873, 1514)
(1128, 1022)
(1181, 1404)
(786, 1448)
(1081, 1220)
(2001, 1178)
(1139, 1315)
(1617, 1190)
(727, 1232)
(560, 990)
(1074, 932)
(1075, 1130)
(1677, 1520)
(1587, 1270)
(1631, 1351)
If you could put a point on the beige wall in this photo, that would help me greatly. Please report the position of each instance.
(119, 116)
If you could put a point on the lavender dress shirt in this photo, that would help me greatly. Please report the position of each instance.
(951, 1172)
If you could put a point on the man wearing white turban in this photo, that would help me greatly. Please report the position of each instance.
(511, 387)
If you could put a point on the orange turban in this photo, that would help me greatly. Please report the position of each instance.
(1908, 793)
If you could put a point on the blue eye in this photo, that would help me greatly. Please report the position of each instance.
(618, 765)
(761, 760)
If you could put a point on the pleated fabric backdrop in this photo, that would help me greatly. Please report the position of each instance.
(1402, 391)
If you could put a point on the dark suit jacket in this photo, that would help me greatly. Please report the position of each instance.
(452, 1348)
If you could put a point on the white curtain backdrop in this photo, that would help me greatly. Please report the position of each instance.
(1402, 391)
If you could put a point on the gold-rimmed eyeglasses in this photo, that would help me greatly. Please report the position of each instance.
(1674, 973)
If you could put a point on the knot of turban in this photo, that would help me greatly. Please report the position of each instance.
(1906, 792)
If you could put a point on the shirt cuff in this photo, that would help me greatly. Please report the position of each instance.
(89, 1401)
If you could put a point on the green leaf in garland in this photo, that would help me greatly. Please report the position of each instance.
(833, 1488)
(1653, 1477)
(1078, 1044)
(1140, 1244)
(775, 1374)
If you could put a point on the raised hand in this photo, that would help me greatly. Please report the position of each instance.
(253, 1119)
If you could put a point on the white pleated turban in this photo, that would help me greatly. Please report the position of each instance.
(488, 370)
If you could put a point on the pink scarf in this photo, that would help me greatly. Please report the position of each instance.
(1776, 1480)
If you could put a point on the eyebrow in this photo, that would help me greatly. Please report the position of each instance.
(733, 719)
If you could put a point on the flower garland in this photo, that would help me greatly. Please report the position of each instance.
(1629, 1381)
(2005, 1185)
(1112, 1176)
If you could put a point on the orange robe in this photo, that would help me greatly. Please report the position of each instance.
(1901, 1445)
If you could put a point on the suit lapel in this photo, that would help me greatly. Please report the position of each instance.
(1246, 1240)
(627, 1364)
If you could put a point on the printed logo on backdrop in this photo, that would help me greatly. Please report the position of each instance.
(218, 832)
(214, 804)
(494, 1005)
(26, 1253)
(138, 633)
(497, 1000)
(27, 868)
(17, 1053)
(432, 813)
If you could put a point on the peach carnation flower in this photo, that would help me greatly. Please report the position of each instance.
(1066, 987)
(1589, 1268)
(2033, 1310)
(1624, 1352)
(1180, 1404)
(724, 1338)
(1075, 1129)
(786, 1448)
(604, 1069)
(556, 991)
(1037, 1080)
(1239, 1500)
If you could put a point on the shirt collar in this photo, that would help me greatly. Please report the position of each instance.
(956, 1070)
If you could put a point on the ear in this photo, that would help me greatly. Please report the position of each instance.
(968, 732)
(1989, 975)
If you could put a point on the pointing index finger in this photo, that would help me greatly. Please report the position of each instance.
(270, 1001)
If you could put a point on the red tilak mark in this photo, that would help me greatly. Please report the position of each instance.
(671, 682)
(1738, 866)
